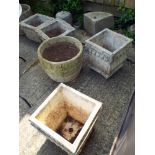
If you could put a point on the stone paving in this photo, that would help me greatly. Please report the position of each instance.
(35, 86)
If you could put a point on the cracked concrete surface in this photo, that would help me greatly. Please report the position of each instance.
(35, 86)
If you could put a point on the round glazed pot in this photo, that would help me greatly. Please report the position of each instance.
(62, 71)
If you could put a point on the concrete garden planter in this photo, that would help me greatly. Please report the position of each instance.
(63, 70)
(65, 15)
(107, 51)
(26, 12)
(94, 22)
(67, 117)
(54, 28)
(30, 25)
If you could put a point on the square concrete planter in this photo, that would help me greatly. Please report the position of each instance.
(54, 28)
(30, 25)
(67, 117)
(106, 51)
(94, 22)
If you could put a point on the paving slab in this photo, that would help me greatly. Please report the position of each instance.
(33, 84)
(28, 51)
(114, 93)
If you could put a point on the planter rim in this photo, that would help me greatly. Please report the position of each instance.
(24, 22)
(129, 40)
(28, 7)
(80, 47)
(20, 10)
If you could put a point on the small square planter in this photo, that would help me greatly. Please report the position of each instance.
(94, 22)
(30, 25)
(67, 117)
(57, 27)
(106, 51)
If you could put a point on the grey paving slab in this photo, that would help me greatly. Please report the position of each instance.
(23, 108)
(81, 35)
(28, 51)
(126, 141)
(114, 93)
(33, 84)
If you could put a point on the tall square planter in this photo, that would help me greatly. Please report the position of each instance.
(67, 117)
(54, 28)
(106, 51)
(30, 25)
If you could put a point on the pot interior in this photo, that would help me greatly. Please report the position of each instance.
(109, 40)
(66, 114)
(54, 29)
(60, 51)
(36, 20)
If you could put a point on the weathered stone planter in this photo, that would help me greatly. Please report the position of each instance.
(26, 12)
(65, 15)
(94, 22)
(30, 25)
(106, 51)
(62, 71)
(58, 26)
(65, 114)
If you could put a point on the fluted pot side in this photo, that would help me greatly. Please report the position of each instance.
(63, 71)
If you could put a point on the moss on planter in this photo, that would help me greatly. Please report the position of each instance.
(63, 71)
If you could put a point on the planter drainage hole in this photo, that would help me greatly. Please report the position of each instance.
(70, 129)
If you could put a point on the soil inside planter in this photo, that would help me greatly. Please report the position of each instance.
(54, 32)
(60, 52)
(69, 129)
(36, 23)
